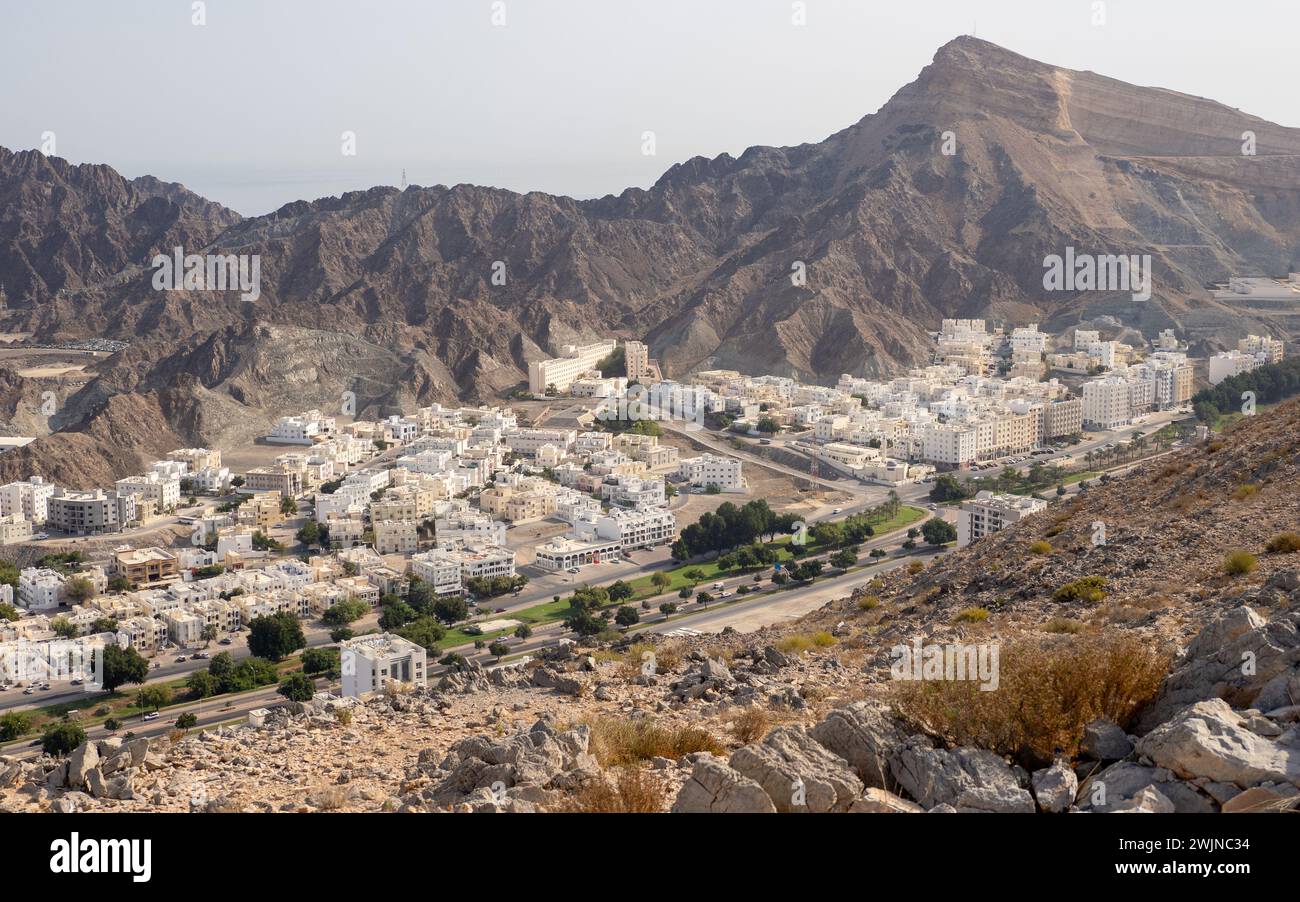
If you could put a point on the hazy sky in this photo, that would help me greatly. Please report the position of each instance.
(249, 109)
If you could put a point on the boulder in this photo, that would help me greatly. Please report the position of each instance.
(715, 788)
(1103, 740)
(968, 779)
(1116, 786)
(865, 736)
(82, 761)
(882, 801)
(797, 772)
(1210, 740)
(1055, 787)
(1257, 800)
(1241, 658)
(1148, 800)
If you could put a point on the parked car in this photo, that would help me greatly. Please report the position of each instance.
(499, 611)
(152, 715)
(181, 659)
(838, 510)
(227, 641)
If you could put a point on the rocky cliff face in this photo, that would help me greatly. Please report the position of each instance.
(892, 233)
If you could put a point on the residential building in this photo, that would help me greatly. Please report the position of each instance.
(369, 662)
(710, 469)
(988, 512)
(558, 373)
(145, 565)
(40, 589)
(396, 536)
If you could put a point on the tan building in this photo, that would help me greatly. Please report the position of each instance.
(145, 565)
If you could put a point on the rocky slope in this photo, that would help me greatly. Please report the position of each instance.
(1173, 686)
(894, 233)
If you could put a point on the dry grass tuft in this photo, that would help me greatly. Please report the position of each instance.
(615, 741)
(751, 725)
(633, 791)
(1049, 689)
(802, 642)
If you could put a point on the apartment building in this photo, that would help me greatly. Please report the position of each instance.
(210, 480)
(196, 459)
(302, 429)
(1270, 349)
(90, 513)
(283, 480)
(636, 359)
(369, 662)
(563, 552)
(13, 528)
(953, 444)
(988, 512)
(1227, 364)
(28, 499)
(145, 565)
(710, 469)
(630, 528)
(163, 490)
(440, 570)
(634, 492)
(396, 536)
(1107, 403)
(1062, 418)
(559, 373)
(528, 441)
(40, 589)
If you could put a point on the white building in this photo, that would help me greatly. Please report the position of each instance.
(987, 513)
(40, 589)
(1227, 364)
(575, 361)
(30, 499)
(396, 536)
(369, 662)
(636, 358)
(710, 469)
(301, 429)
(1107, 403)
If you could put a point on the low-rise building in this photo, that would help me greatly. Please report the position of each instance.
(988, 512)
(369, 662)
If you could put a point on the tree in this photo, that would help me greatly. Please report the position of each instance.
(627, 616)
(320, 660)
(704, 598)
(768, 425)
(451, 609)
(275, 637)
(668, 608)
(498, 649)
(309, 533)
(187, 721)
(62, 738)
(341, 634)
(297, 687)
(201, 685)
(660, 581)
(221, 664)
(844, 559)
(208, 633)
(288, 507)
(103, 625)
(63, 628)
(14, 724)
(345, 612)
(396, 615)
(424, 631)
(523, 631)
(154, 697)
(620, 591)
(947, 488)
(122, 665)
(938, 531)
(8, 612)
(79, 589)
(685, 593)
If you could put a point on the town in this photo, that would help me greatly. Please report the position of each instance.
(462, 531)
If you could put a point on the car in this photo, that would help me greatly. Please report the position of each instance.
(181, 659)
(226, 641)
(499, 611)
(77, 682)
(838, 510)
(45, 687)
(724, 594)
(574, 570)
(200, 656)
(41, 535)
(152, 715)
(30, 690)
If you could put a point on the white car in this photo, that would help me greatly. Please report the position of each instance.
(838, 510)
(152, 715)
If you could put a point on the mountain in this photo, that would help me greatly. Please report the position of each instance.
(390, 293)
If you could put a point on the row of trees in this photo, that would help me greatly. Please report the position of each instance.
(731, 527)
(1271, 383)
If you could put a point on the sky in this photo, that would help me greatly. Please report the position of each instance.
(250, 108)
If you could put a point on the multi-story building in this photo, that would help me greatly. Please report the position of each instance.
(1062, 418)
(196, 459)
(1270, 349)
(396, 536)
(163, 490)
(710, 469)
(13, 528)
(1107, 403)
(558, 373)
(988, 512)
(145, 565)
(953, 444)
(285, 481)
(90, 513)
(29, 498)
(302, 429)
(40, 589)
(369, 662)
(1227, 364)
(636, 359)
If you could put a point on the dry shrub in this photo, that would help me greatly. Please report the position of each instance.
(1244, 491)
(615, 741)
(802, 642)
(751, 725)
(1284, 543)
(1239, 563)
(633, 791)
(972, 615)
(667, 658)
(1049, 688)
(1062, 625)
(343, 715)
(868, 602)
(1040, 547)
